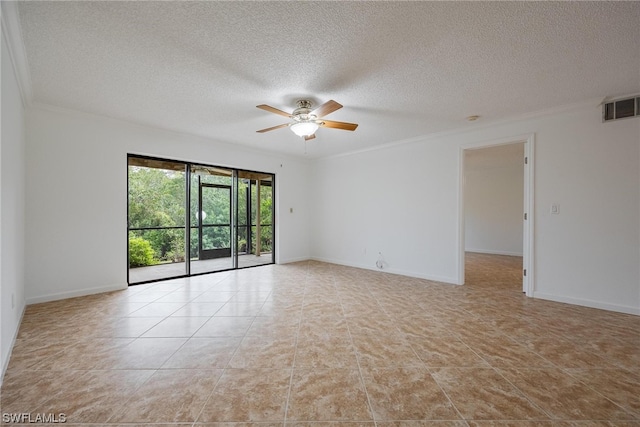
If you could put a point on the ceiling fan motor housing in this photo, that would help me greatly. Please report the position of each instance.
(302, 113)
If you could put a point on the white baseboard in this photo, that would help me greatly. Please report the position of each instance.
(492, 252)
(290, 260)
(589, 303)
(442, 279)
(5, 363)
(76, 293)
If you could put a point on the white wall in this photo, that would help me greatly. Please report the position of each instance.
(399, 201)
(403, 200)
(76, 197)
(12, 208)
(493, 199)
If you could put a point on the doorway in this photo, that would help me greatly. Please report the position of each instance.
(214, 229)
(496, 189)
(185, 219)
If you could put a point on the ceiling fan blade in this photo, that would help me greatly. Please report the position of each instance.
(273, 128)
(308, 137)
(338, 125)
(273, 110)
(326, 108)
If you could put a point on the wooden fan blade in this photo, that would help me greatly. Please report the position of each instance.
(273, 128)
(326, 108)
(338, 125)
(273, 110)
(306, 138)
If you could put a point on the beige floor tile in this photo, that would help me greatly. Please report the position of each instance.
(325, 353)
(148, 296)
(240, 309)
(445, 351)
(501, 351)
(95, 395)
(169, 395)
(83, 355)
(327, 395)
(430, 423)
(244, 395)
(28, 353)
(204, 309)
(204, 353)
(275, 326)
(235, 326)
(214, 296)
(24, 390)
(271, 308)
(183, 296)
(618, 385)
(621, 353)
(324, 327)
(406, 394)
(483, 394)
(538, 424)
(565, 354)
(382, 326)
(254, 297)
(127, 327)
(264, 352)
(176, 327)
(314, 309)
(384, 351)
(563, 396)
(158, 309)
(142, 353)
(421, 325)
(320, 345)
(234, 424)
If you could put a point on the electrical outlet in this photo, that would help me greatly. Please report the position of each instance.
(555, 209)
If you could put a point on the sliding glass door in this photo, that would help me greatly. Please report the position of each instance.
(156, 219)
(222, 218)
(255, 219)
(211, 214)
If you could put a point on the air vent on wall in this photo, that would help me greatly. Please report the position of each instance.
(621, 109)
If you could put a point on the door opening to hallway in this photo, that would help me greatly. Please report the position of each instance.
(494, 191)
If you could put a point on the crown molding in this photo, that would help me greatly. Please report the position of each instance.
(591, 102)
(17, 54)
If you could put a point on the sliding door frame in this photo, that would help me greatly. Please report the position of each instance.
(188, 170)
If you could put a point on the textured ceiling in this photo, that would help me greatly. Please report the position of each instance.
(401, 69)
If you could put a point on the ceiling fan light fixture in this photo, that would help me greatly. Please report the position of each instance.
(305, 121)
(303, 129)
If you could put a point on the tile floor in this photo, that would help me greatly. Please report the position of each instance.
(311, 342)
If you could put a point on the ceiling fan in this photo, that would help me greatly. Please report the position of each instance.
(306, 121)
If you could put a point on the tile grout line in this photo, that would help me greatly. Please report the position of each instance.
(295, 353)
(224, 370)
(523, 394)
(364, 386)
(426, 367)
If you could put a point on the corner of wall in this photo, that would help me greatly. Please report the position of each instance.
(12, 191)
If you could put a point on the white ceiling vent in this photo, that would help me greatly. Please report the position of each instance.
(621, 109)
